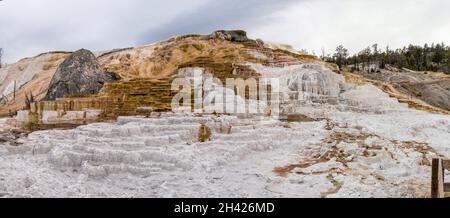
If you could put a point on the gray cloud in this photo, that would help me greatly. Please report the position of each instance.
(218, 14)
(356, 24)
(29, 27)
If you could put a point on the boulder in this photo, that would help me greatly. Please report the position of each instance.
(79, 74)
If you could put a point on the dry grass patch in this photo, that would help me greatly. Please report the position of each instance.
(204, 133)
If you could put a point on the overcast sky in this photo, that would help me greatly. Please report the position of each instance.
(29, 27)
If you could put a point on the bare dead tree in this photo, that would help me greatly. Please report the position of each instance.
(28, 101)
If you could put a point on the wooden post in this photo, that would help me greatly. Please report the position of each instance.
(437, 179)
(446, 166)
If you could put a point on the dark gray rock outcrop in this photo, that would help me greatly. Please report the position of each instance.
(79, 74)
(231, 35)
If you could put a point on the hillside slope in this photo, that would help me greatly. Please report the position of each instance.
(218, 53)
(422, 90)
(28, 76)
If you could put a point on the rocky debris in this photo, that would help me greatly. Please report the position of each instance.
(232, 35)
(77, 75)
(11, 136)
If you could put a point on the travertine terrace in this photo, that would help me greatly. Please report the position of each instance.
(335, 136)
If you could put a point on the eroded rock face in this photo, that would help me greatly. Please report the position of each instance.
(232, 35)
(315, 81)
(306, 83)
(79, 74)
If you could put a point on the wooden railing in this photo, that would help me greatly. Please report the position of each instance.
(438, 185)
